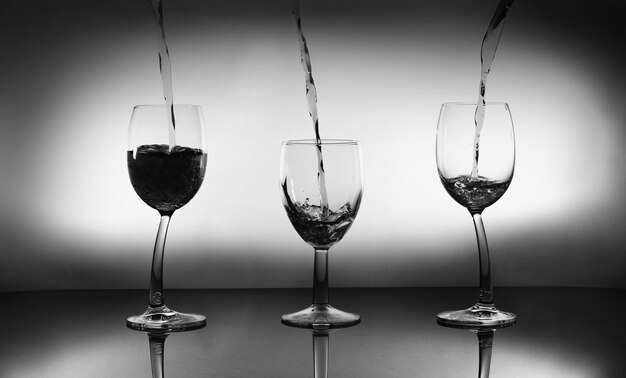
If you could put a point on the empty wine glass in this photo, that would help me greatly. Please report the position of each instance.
(166, 166)
(321, 185)
(476, 167)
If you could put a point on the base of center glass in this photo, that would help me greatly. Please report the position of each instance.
(162, 318)
(477, 316)
(319, 317)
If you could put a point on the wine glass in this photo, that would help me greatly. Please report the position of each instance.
(166, 166)
(476, 169)
(322, 185)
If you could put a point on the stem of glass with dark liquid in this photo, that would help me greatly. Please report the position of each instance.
(156, 274)
(320, 277)
(485, 297)
(157, 349)
(320, 355)
(485, 343)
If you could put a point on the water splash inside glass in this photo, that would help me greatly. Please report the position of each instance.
(166, 71)
(311, 96)
(487, 55)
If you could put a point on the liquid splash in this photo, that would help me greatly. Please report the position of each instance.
(165, 68)
(311, 96)
(487, 55)
(316, 226)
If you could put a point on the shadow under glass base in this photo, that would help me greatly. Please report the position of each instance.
(320, 316)
(477, 316)
(162, 318)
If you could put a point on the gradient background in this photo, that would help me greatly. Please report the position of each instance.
(72, 70)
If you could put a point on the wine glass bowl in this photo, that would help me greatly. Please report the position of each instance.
(456, 149)
(476, 165)
(166, 179)
(321, 188)
(166, 167)
(321, 227)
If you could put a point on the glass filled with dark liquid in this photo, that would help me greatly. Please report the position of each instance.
(166, 164)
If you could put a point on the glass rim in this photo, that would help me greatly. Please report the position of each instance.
(465, 103)
(313, 142)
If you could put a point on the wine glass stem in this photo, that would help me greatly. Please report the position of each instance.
(485, 297)
(156, 274)
(320, 356)
(320, 277)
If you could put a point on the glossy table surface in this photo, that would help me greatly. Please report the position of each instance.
(567, 332)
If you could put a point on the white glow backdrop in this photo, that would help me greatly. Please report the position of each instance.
(73, 70)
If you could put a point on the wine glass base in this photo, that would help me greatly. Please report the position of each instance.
(162, 318)
(320, 317)
(477, 316)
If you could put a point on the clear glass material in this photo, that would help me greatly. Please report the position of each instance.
(476, 170)
(166, 168)
(321, 187)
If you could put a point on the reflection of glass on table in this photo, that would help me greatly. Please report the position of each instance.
(485, 344)
(156, 340)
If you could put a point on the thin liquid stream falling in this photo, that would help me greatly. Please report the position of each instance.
(311, 96)
(166, 71)
(487, 55)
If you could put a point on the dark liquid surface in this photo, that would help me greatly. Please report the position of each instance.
(166, 179)
(475, 194)
(320, 228)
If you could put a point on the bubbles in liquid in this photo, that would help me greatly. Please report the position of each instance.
(317, 227)
(166, 70)
(311, 96)
(475, 193)
(166, 178)
(321, 228)
(487, 55)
